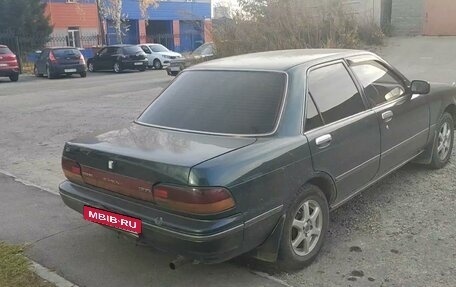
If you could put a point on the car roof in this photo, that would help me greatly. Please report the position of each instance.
(282, 60)
(55, 48)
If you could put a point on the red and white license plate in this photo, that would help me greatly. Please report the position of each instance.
(117, 221)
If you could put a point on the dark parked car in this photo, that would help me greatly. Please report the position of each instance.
(9, 67)
(203, 53)
(250, 153)
(53, 62)
(118, 58)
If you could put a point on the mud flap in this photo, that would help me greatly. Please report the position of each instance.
(269, 250)
(426, 156)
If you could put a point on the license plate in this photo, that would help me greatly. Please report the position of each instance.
(114, 220)
(175, 69)
(138, 64)
(70, 70)
(3, 65)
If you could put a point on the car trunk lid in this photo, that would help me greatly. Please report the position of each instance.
(130, 161)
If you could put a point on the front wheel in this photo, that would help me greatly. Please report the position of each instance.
(443, 145)
(117, 69)
(305, 229)
(91, 67)
(157, 64)
(14, 78)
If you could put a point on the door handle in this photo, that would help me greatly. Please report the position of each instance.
(323, 141)
(387, 116)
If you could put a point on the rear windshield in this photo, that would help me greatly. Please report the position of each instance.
(61, 53)
(132, 50)
(222, 102)
(5, 50)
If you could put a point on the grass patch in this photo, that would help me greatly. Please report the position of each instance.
(14, 269)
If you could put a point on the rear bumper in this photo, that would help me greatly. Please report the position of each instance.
(207, 241)
(134, 65)
(6, 72)
(68, 69)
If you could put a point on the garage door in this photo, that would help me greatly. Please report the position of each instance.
(440, 18)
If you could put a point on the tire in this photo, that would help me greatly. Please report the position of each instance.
(157, 64)
(35, 72)
(83, 74)
(116, 68)
(443, 145)
(49, 74)
(304, 230)
(14, 78)
(142, 69)
(91, 67)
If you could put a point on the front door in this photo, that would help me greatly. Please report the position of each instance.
(403, 118)
(344, 136)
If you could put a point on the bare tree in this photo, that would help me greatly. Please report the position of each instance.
(112, 9)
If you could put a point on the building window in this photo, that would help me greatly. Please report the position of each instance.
(74, 39)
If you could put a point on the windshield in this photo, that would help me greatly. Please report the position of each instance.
(5, 50)
(205, 49)
(248, 104)
(158, 48)
(133, 50)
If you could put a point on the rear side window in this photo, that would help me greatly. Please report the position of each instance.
(223, 102)
(5, 50)
(380, 84)
(334, 92)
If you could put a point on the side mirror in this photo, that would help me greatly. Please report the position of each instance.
(420, 87)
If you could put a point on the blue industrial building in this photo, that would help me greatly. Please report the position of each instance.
(181, 25)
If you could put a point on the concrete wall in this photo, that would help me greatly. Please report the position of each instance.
(407, 17)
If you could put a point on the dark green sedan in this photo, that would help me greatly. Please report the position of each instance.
(249, 154)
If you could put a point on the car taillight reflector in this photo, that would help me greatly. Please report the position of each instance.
(81, 60)
(72, 170)
(194, 200)
(52, 57)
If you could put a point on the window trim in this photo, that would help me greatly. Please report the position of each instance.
(277, 122)
(355, 82)
(398, 77)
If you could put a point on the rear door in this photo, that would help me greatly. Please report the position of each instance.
(403, 118)
(344, 136)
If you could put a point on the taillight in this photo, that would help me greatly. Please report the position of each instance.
(72, 170)
(81, 60)
(51, 57)
(194, 200)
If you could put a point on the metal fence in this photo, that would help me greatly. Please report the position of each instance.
(26, 47)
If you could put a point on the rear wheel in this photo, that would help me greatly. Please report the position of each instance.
(83, 74)
(157, 64)
(35, 72)
(14, 77)
(443, 146)
(48, 73)
(305, 229)
(117, 68)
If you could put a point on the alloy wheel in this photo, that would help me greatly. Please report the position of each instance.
(90, 68)
(444, 141)
(117, 68)
(306, 227)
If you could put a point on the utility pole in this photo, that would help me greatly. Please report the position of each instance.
(101, 23)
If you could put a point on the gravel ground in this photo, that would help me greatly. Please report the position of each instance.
(400, 232)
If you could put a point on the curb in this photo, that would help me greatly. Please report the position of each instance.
(50, 276)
